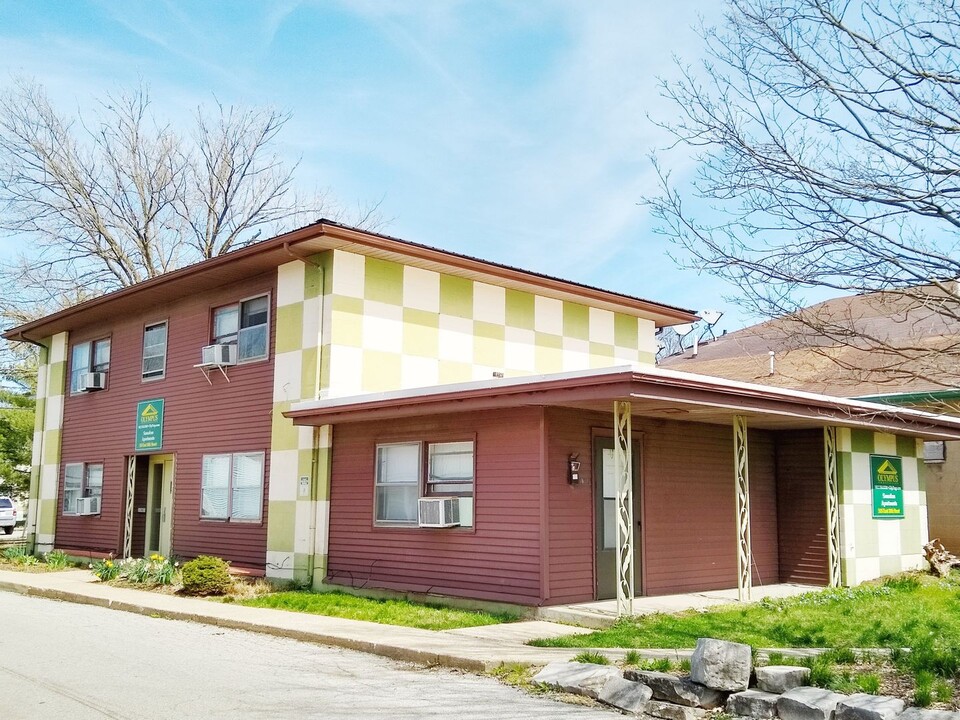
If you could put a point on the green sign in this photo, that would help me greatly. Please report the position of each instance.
(886, 480)
(149, 425)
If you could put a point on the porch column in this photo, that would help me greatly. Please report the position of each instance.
(623, 471)
(744, 548)
(128, 511)
(833, 505)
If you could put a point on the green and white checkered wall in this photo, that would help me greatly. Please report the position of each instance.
(348, 324)
(870, 548)
(393, 326)
(48, 430)
(299, 478)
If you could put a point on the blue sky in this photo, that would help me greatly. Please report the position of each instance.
(513, 131)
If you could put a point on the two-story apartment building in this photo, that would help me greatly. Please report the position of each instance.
(337, 406)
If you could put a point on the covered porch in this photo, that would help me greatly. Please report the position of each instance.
(593, 516)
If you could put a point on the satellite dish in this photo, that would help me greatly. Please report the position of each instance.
(711, 318)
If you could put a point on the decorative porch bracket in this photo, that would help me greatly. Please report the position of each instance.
(128, 514)
(623, 471)
(744, 547)
(833, 504)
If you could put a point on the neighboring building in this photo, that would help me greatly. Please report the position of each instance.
(923, 375)
(289, 406)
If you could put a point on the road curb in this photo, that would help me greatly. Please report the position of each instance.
(392, 652)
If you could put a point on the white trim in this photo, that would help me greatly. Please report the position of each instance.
(668, 378)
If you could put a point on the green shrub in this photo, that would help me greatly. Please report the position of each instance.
(57, 559)
(105, 569)
(17, 554)
(595, 658)
(923, 688)
(632, 658)
(868, 683)
(943, 690)
(206, 575)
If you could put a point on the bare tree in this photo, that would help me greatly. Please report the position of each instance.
(111, 199)
(827, 135)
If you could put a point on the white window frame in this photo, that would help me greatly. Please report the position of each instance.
(234, 338)
(90, 365)
(85, 488)
(423, 482)
(229, 516)
(155, 375)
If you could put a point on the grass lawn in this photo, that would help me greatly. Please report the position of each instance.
(905, 612)
(388, 612)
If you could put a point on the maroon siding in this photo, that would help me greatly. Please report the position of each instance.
(688, 496)
(802, 507)
(497, 560)
(199, 418)
(570, 517)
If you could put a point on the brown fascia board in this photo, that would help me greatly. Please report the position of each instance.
(269, 253)
(627, 385)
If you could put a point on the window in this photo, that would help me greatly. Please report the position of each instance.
(400, 479)
(154, 350)
(80, 480)
(231, 487)
(244, 325)
(86, 358)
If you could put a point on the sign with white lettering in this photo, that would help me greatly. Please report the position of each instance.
(886, 480)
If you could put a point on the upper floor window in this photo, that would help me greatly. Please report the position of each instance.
(154, 350)
(88, 357)
(244, 324)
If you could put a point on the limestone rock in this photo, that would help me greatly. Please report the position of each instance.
(625, 695)
(808, 703)
(578, 678)
(721, 665)
(921, 714)
(753, 703)
(678, 690)
(780, 678)
(868, 707)
(668, 711)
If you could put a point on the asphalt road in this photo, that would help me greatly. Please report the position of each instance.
(60, 660)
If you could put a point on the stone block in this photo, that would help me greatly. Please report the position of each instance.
(753, 703)
(578, 678)
(921, 714)
(625, 695)
(808, 703)
(780, 678)
(721, 665)
(868, 707)
(669, 711)
(678, 690)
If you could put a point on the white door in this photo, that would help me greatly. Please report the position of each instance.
(159, 506)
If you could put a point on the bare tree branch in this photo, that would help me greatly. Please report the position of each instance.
(828, 140)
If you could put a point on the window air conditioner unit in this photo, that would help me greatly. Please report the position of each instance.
(934, 452)
(88, 506)
(438, 512)
(219, 355)
(93, 381)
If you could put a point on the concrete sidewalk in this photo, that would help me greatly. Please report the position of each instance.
(479, 649)
(476, 649)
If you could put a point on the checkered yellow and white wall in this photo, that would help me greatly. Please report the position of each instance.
(869, 547)
(48, 430)
(299, 476)
(393, 326)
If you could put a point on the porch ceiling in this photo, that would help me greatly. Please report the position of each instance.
(653, 393)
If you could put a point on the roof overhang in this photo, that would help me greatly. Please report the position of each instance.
(319, 237)
(653, 393)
